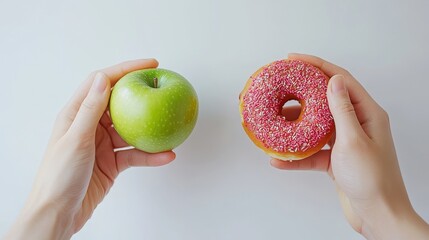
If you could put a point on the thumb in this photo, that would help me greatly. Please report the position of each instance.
(92, 107)
(346, 121)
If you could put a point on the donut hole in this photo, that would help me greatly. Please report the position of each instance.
(291, 109)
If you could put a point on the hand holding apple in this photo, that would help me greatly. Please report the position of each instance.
(80, 165)
(154, 110)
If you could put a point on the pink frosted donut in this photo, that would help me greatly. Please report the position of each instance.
(262, 100)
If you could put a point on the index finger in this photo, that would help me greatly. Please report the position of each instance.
(364, 105)
(319, 161)
(113, 73)
(328, 68)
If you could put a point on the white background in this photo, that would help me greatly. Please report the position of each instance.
(220, 186)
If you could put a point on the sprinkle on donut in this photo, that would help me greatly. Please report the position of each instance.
(261, 105)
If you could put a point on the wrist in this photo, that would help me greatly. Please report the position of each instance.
(391, 223)
(42, 221)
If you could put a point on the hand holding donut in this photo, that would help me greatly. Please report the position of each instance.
(362, 162)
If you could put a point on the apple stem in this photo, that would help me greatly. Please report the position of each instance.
(155, 82)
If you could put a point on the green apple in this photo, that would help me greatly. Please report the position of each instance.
(153, 110)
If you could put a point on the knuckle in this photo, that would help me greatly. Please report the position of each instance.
(92, 74)
(88, 104)
(346, 108)
(81, 141)
(67, 113)
(122, 69)
(98, 71)
(347, 72)
(63, 115)
(383, 116)
(352, 142)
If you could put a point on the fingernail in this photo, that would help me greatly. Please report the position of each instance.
(99, 83)
(337, 84)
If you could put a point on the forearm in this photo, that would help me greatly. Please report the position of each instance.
(43, 222)
(401, 226)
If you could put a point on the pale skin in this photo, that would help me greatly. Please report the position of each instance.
(80, 164)
(362, 161)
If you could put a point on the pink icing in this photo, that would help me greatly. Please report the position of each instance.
(270, 89)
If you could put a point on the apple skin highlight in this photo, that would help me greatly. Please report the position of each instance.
(154, 118)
